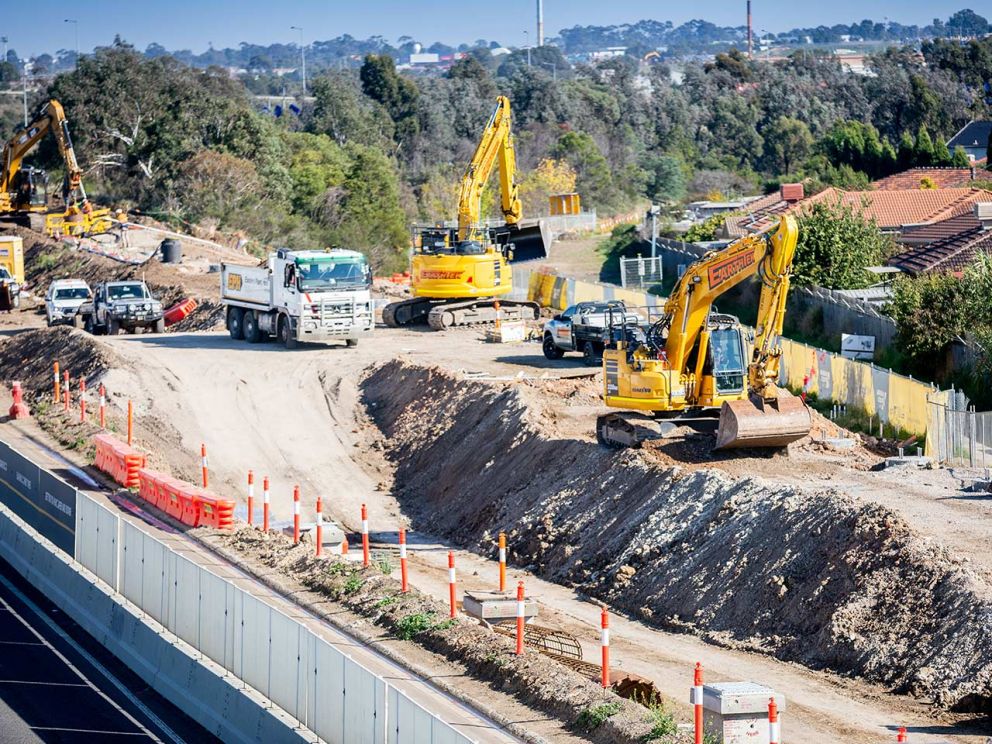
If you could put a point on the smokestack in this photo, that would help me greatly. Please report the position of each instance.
(540, 23)
(750, 41)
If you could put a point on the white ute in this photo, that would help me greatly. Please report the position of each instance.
(300, 296)
(63, 298)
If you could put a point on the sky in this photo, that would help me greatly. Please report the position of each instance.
(38, 26)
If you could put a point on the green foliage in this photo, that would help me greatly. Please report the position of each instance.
(353, 584)
(788, 142)
(959, 159)
(593, 178)
(593, 717)
(383, 563)
(836, 244)
(665, 178)
(662, 721)
(398, 95)
(386, 601)
(930, 311)
(859, 146)
(705, 231)
(409, 626)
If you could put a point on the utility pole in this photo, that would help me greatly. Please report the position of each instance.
(750, 39)
(653, 211)
(75, 25)
(4, 40)
(27, 71)
(303, 58)
(527, 44)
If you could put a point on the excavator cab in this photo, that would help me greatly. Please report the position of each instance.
(726, 360)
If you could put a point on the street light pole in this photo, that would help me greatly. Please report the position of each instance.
(303, 58)
(527, 44)
(27, 69)
(75, 25)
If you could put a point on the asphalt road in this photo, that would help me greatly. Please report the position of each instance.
(57, 684)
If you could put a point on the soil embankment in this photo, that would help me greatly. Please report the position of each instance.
(809, 575)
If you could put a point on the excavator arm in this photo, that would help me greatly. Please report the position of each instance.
(496, 145)
(49, 118)
(767, 255)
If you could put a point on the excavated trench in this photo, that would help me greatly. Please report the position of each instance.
(812, 576)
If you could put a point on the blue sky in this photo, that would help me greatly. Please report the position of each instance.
(37, 26)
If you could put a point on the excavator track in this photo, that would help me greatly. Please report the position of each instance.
(407, 312)
(479, 312)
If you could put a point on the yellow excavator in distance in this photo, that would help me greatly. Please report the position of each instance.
(458, 274)
(690, 362)
(23, 189)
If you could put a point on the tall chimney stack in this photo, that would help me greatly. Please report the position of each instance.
(540, 23)
(750, 39)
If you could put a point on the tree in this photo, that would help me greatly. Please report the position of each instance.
(930, 311)
(213, 184)
(592, 172)
(365, 214)
(787, 142)
(836, 245)
(666, 179)
(398, 96)
(550, 177)
(923, 149)
(960, 158)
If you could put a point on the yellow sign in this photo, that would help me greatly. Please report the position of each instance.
(234, 282)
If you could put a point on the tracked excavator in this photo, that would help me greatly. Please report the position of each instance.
(23, 190)
(686, 365)
(459, 273)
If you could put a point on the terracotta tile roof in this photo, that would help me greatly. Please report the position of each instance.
(942, 178)
(891, 210)
(954, 253)
(934, 231)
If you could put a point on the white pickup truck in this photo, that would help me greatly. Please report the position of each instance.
(300, 296)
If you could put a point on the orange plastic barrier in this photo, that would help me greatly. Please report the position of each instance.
(118, 460)
(191, 505)
(179, 311)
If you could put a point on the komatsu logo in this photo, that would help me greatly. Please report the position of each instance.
(729, 268)
(433, 274)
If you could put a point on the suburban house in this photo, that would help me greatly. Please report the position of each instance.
(974, 138)
(950, 245)
(927, 178)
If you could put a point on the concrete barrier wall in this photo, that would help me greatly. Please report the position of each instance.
(198, 687)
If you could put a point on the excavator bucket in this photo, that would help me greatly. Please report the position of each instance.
(530, 240)
(759, 423)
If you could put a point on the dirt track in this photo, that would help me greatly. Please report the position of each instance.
(293, 416)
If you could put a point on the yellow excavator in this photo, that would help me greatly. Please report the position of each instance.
(683, 367)
(459, 274)
(23, 190)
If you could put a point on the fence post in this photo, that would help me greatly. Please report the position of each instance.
(697, 703)
(774, 727)
(901, 736)
(403, 575)
(502, 561)
(203, 462)
(82, 400)
(451, 581)
(604, 641)
(265, 504)
(251, 498)
(58, 395)
(103, 406)
(365, 536)
(520, 618)
(320, 527)
(296, 515)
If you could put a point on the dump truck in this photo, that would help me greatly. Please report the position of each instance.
(313, 295)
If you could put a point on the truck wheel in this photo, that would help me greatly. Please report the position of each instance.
(590, 354)
(160, 325)
(252, 334)
(77, 322)
(113, 327)
(286, 337)
(351, 342)
(551, 351)
(235, 323)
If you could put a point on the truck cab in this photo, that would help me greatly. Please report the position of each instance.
(300, 296)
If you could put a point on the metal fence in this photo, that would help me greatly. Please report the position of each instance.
(641, 271)
(956, 433)
(325, 689)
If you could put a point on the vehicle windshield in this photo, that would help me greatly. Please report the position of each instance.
(728, 359)
(127, 292)
(4, 273)
(316, 275)
(72, 293)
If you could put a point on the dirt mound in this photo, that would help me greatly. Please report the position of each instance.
(817, 577)
(28, 357)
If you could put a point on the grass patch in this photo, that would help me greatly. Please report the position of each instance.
(415, 624)
(386, 601)
(594, 717)
(662, 722)
(353, 584)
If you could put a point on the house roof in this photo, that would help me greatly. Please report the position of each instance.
(975, 134)
(934, 231)
(941, 178)
(954, 253)
(891, 210)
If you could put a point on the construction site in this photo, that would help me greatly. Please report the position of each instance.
(535, 485)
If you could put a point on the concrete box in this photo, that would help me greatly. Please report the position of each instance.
(494, 607)
(510, 331)
(737, 712)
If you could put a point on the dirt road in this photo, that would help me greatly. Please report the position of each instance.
(292, 416)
